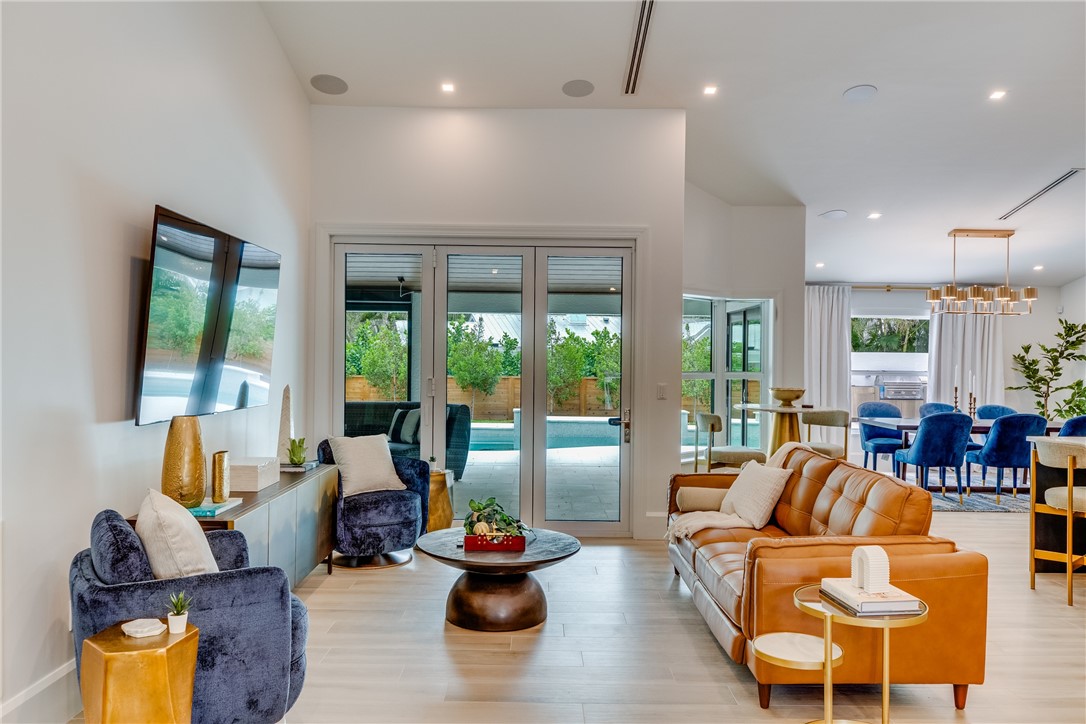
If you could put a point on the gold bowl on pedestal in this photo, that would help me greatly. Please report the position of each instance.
(786, 395)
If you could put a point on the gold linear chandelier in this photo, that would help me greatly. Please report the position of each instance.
(975, 298)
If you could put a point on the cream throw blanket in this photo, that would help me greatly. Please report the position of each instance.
(688, 524)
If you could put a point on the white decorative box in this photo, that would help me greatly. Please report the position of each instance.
(248, 475)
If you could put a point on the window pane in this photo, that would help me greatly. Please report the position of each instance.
(889, 334)
(697, 338)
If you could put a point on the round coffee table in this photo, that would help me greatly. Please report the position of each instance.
(497, 591)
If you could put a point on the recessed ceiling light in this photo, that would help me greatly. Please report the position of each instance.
(1038, 268)
(834, 214)
(860, 93)
(996, 95)
(820, 264)
(710, 90)
(330, 84)
(448, 87)
(578, 88)
(875, 215)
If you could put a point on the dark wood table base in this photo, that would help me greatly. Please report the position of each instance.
(483, 602)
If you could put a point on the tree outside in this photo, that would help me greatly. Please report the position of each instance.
(603, 360)
(889, 334)
(697, 356)
(565, 365)
(473, 361)
(376, 350)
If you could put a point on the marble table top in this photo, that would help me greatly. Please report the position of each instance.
(543, 548)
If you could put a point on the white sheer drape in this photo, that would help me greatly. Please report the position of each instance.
(966, 351)
(827, 352)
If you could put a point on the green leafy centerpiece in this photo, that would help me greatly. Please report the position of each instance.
(490, 528)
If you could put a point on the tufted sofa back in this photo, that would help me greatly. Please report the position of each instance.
(832, 497)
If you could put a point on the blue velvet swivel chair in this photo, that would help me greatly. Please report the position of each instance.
(934, 408)
(250, 663)
(940, 443)
(373, 529)
(1074, 427)
(878, 440)
(1007, 447)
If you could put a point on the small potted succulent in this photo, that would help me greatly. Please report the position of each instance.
(296, 451)
(490, 528)
(178, 616)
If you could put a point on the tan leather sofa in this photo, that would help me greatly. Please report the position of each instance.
(742, 580)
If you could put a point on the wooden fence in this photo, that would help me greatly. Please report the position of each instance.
(588, 402)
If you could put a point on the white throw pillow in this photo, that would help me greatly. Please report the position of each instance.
(175, 543)
(365, 464)
(755, 492)
(690, 498)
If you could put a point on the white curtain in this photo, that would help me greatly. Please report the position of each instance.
(965, 351)
(827, 352)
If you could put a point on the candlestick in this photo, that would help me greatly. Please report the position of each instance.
(972, 405)
(956, 399)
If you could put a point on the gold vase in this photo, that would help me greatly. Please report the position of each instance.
(184, 469)
(441, 513)
(220, 477)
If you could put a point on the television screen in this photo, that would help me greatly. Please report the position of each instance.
(210, 322)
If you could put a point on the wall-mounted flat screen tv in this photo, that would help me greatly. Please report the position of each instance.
(209, 317)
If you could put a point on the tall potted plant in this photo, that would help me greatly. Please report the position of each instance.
(1043, 372)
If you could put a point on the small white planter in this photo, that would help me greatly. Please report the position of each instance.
(178, 624)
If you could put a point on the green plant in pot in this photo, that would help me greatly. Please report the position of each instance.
(1043, 372)
(490, 519)
(178, 615)
(296, 450)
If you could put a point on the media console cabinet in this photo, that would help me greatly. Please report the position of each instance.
(290, 524)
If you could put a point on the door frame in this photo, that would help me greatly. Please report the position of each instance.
(319, 358)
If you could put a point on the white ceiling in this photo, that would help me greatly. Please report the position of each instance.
(930, 151)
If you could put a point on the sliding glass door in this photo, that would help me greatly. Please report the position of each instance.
(516, 358)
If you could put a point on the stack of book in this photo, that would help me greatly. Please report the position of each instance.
(841, 593)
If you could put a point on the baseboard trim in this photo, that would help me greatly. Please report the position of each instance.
(37, 688)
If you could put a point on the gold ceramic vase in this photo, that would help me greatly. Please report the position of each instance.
(184, 469)
(220, 477)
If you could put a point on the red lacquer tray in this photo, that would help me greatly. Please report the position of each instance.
(508, 543)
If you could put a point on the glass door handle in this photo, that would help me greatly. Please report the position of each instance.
(614, 421)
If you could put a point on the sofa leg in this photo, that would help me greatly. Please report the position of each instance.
(676, 570)
(960, 692)
(764, 691)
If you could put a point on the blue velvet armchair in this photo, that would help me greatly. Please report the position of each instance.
(1006, 447)
(878, 440)
(250, 664)
(1074, 427)
(934, 408)
(372, 527)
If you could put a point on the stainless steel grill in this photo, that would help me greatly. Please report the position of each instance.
(901, 387)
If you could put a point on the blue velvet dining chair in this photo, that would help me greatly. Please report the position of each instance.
(878, 440)
(986, 412)
(1007, 447)
(250, 660)
(373, 527)
(934, 408)
(939, 443)
(1074, 427)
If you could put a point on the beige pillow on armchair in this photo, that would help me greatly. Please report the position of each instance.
(365, 464)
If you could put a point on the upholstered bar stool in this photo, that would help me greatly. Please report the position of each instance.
(1068, 502)
(731, 456)
(828, 418)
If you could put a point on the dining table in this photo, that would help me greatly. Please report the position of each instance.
(785, 426)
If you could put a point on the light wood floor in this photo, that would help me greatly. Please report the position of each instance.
(623, 643)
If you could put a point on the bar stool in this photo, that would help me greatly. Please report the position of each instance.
(732, 456)
(1068, 502)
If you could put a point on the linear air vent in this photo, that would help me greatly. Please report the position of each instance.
(640, 36)
(1039, 194)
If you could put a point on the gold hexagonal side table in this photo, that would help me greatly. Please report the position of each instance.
(148, 679)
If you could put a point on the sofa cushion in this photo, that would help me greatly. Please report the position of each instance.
(405, 426)
(691, 498)
(834, 497)
(175, 543)
(722, 575)
(116, 551)
(755, 492)
(365, 464)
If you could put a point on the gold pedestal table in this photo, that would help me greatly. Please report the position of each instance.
(803, 651)
(808, 601)
(147, 679)
(785, 426)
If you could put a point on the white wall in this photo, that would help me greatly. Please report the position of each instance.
(1040, 327)
(562, 168)
(109, 109)
(751, 252)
